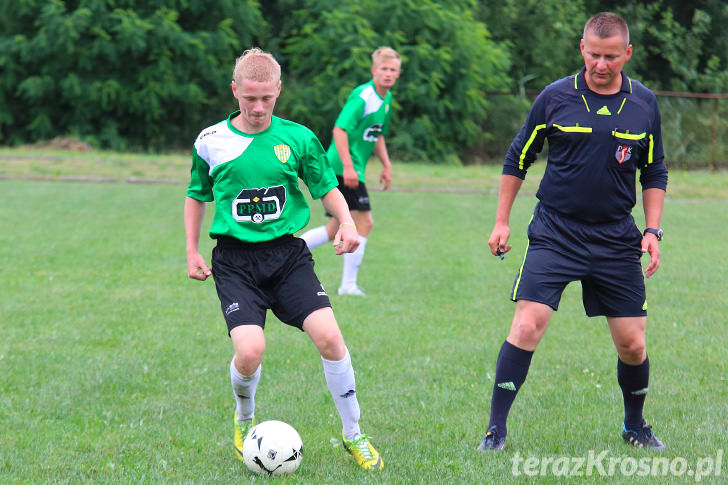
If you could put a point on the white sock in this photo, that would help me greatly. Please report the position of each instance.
(315, 237)
(340, 379)
(352, 261)
(244, 391)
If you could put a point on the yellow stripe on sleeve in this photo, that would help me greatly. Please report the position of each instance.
(650, 151)
(528, 145)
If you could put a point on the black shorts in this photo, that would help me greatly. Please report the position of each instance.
(277, 275)
(357, 199)
(604, 257)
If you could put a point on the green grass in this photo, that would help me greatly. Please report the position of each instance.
(113, 365)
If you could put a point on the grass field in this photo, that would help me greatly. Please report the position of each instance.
(113, 365)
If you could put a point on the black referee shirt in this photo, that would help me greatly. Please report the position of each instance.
(596, 143)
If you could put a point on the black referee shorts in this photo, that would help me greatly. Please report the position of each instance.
(278, 275)
(604, 257)
(357, 199)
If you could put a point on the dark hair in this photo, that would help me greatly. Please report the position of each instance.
(607, 24)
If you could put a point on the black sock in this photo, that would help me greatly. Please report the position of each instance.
(510, 373)
(633, 379)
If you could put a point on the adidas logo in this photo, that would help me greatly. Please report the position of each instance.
(604, 111)
(508, 386)
(640, 392)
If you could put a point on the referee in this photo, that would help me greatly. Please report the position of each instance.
(250, 164)
(601, 127)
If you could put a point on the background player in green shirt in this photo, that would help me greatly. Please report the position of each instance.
(249, 165)
(359, 131)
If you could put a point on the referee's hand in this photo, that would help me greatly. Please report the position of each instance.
(498, 239)
(651, 246)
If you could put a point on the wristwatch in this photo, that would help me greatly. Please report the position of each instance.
(656, 232)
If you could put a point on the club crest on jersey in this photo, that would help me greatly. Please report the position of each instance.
(373, 132)
(283, 152)
(258, 205)
(623, 153)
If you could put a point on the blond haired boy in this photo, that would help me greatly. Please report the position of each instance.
(358, 132)
(249, 164)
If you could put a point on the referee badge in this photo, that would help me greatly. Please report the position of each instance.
(283, 152)
(623, 153)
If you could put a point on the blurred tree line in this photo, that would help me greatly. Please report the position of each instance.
(130, 74)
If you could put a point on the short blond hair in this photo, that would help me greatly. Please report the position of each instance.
(256, 65)
(385, 53)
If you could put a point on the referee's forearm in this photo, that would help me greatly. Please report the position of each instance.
(509, 187)
(652, 201)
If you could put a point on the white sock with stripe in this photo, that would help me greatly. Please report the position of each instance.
(340, 379)
(244, 391)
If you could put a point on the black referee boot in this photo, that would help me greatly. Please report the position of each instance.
(492, 442)
(643, 438)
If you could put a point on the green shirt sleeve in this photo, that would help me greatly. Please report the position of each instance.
(314, 169)
(351, 113)
(200, 187)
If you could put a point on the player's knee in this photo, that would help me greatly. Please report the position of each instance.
(248, 358)
(364, 223)
(366, 226)
(526, 329)
(633, 352)
(331, 345)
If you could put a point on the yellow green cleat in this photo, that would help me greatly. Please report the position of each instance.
(241, 431)
(363, 452)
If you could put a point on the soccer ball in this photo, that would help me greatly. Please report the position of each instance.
(272, 448)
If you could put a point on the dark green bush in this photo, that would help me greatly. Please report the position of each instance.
(120, 74)
(449, 62)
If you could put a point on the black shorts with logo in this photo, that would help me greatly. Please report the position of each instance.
(604, 257)
(277, 275)
(357, 199)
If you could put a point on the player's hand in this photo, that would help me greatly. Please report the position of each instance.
(385, 178)
(651, 246)
(498, 239)
(351, 179)
(196, 267)
(346, 239)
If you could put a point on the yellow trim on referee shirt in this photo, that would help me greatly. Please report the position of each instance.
(586, 104)
(528, 145)
(650, 151)
(621, 105)
(574, 129)
(520, 269)
(628, 136)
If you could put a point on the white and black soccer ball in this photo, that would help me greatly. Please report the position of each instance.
(272, 448)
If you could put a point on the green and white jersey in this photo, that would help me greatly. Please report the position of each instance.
(253, 178)
(364, 117)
